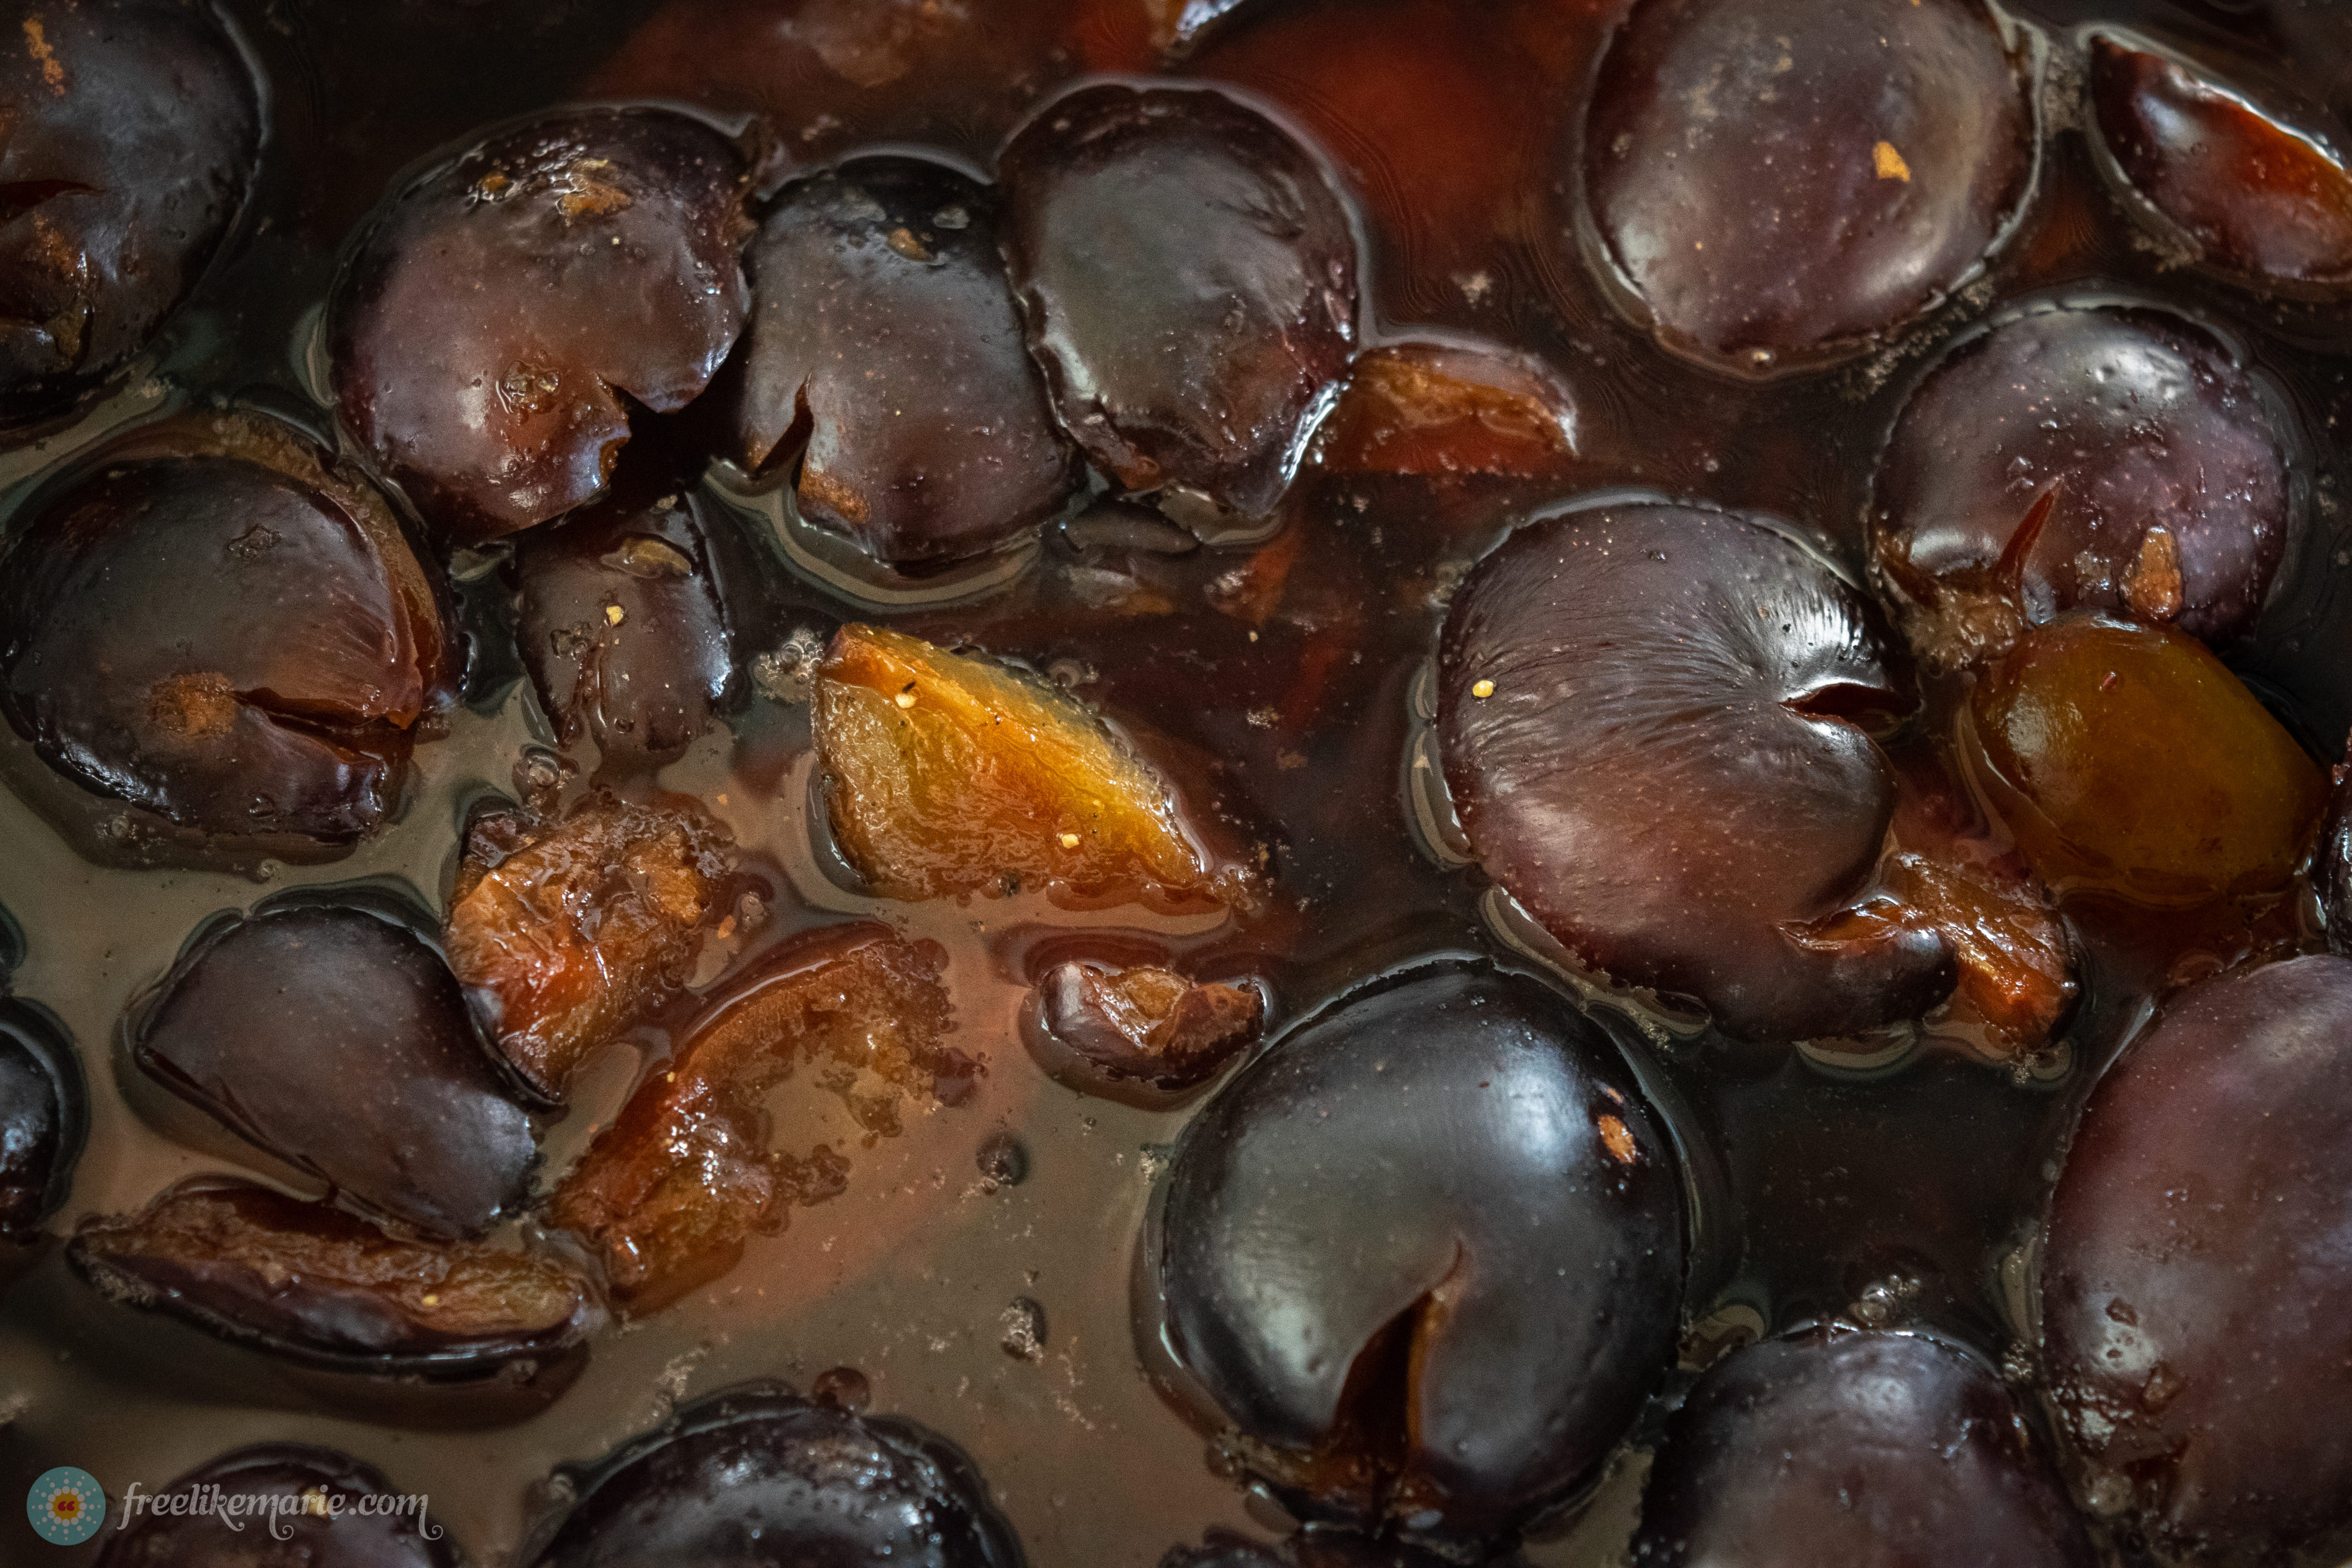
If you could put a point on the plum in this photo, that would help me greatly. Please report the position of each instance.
(1441, 408)
(2252, 192)
(623, 622)
(1425, 1254)
(2331, 868)
(1844, 1445)
(757, 1477)
(2194, 1281)
(563, 934)
(950, 774)
(1311, 1547)
(2118, 459)
(278, 1505)
(2129, 762)
(669, 1194)
(132, 139)
(217, 623)
(885, 355)
(1779, 183)
(313, 1285)
(1100, 1028)
(1654, 723)
(44, 1116)
(335, 1039)
(1189, 279)
(502, 313)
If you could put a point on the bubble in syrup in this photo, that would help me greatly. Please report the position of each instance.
(1003, 1161)
(844, 1389)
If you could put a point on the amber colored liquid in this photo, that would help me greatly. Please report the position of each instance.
(1285, 700)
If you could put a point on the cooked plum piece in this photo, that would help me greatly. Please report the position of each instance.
(2113, 459)
(2254, 194)
(2331, 866)
(1425, 1252)
(132, 136)
(1437, 408)
(564, 934)
(622, 624)
(1095, 1027)
(2128, 761)
(219, 627)
(1845, 1446)
(337, 1041)
(1654, 727)
(1189, 278)
(266, 1517)
(885, 355)
(1780, 182)
(312, 1284)
(1310, 1548)
(2017, 983)
(503, 312)
(2195, 1283)
(950, 774)
(669, 1194)
(758, 1478)
(44, 1116)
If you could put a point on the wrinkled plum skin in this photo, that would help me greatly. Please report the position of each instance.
(1854, 1447)
(643, 683)
(43, 1116)
(2195, 1283)
(1646, 779)
(346, 1538)
(883, 329)
(134, 135)
(236, 644)
(2255, 196)
(341, 1043)
(482, 336)
(1189, 279)
(1464, 1155)
(758, 1475)
(1780, 182)
(2126, 422)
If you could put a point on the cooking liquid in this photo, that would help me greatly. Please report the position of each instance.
(1275, 683)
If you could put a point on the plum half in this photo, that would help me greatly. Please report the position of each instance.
(1425, 1254)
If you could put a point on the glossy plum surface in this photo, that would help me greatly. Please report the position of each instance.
(275, 1523)
(1425, 1254)
(44, 1116)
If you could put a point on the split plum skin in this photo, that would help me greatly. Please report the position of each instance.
(1360, 1231)
(501, 313)
(758, 1475)
(2194, 1284)
(884, 357)
(1189, 278)
(1716, 857)
(133, 140)
(2113, 458)
(272, 639)
(1782, 184)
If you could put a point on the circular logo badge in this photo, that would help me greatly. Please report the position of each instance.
(66, 1506)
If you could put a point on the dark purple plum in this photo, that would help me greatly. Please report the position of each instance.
(1189, 278)
(263, 1516)
(1310, 1548)
(1137, 1031)
(1653, 720)
(623, 622)
(503, 311)
(2194, 1281)
(757, 1476)
(1778, 182)
(218, 626)
(1425, 1254)
(1859, 1447)
(131, 137)
(44, 1116)
(2252, 192)
(312, 1285)
(2081, 458)
(885, 356)
(339, 1041)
